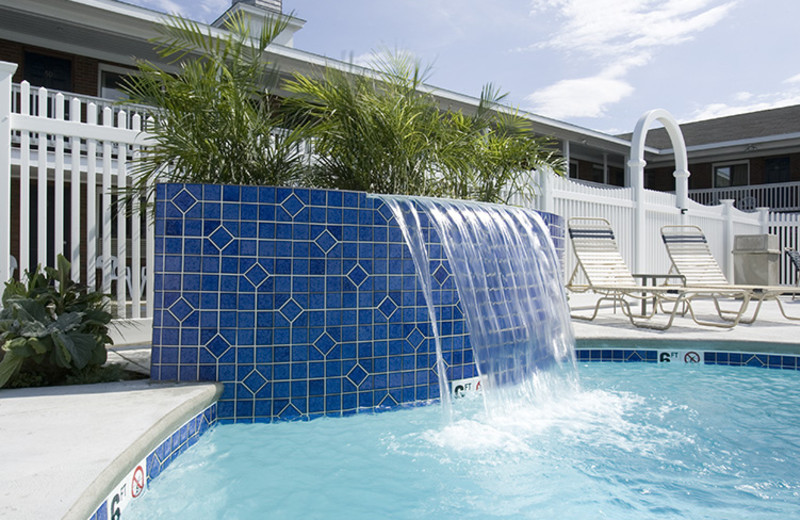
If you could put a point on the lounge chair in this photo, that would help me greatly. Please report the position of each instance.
(607, 275)
(691, 257)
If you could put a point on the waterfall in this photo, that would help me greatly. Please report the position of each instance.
(508, 281)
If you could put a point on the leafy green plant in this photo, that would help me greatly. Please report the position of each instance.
(387, 133)
(215, 120)
(51, 326)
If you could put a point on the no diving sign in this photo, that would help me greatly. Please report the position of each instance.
(137, 481)
(689, 357)
(130, 488)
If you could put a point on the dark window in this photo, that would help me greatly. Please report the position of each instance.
(616, 176)
(598, 174)
(48, 71)
(111, 84)
(777, 169)
(726, 175)
(573, 170)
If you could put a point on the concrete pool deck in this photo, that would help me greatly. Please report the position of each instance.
(64, 448)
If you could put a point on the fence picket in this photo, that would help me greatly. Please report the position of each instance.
(105, 207)
(58, 188)
(24, 185)
(75, 193)
(121, 211)
(91, 201)
(41, 183)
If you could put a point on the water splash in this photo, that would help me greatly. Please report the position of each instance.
(508, 281)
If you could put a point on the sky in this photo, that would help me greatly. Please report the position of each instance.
(598, 64)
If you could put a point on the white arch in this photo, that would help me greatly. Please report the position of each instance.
(637, 162)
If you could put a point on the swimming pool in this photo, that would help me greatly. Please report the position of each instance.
(634, 440)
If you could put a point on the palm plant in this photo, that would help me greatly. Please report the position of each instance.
(379, 133)
(215, 120)
(500, 153)
(386, 133)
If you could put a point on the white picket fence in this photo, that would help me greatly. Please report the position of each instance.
(65, 155)
(52, 166)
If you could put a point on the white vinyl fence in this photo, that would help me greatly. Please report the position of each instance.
(61, 162)
(720, 223)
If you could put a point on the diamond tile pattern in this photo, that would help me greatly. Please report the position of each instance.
(302, 302)
(357, 275)
(256, 275)
(325, 241)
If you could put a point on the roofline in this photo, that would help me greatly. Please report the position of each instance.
(751, 141)
(306, 61)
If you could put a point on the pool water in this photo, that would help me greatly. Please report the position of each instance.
(631, 441)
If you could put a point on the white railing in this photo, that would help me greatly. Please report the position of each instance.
(784, 196)
(51, 107)
(63, 156)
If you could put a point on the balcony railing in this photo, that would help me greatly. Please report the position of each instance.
(784, 196)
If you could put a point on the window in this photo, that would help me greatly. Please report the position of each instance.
(734, 174)
(111, 80)
(41, 70)
(573, 169)
(776, 169)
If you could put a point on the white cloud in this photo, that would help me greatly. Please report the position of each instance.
(200, 10)
(582, 97)
(611, 27)
(618, 35)
(793, 79)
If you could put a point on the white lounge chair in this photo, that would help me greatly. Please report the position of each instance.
(607, 275)
(691, 257)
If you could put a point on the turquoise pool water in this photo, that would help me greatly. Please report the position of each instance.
(631, 441)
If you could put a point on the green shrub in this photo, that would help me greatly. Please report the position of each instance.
(51, 326)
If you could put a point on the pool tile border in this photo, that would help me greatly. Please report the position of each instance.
(688, 356)
(156, 462)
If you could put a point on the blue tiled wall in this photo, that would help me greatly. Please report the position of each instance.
(303, 302)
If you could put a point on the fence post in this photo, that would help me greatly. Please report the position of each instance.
(6, 72)
(727, 238)
(546, 187)
(763, 220)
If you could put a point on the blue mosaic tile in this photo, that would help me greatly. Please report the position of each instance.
(318, 287)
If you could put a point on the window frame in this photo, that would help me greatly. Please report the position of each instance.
(715, 166)
(115, 69)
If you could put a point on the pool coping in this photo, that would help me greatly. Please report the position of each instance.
(116, 471)
(66, 448)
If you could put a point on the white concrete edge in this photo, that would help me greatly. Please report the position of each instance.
(109, 478)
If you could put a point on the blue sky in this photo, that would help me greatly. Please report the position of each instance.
(599, 64)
